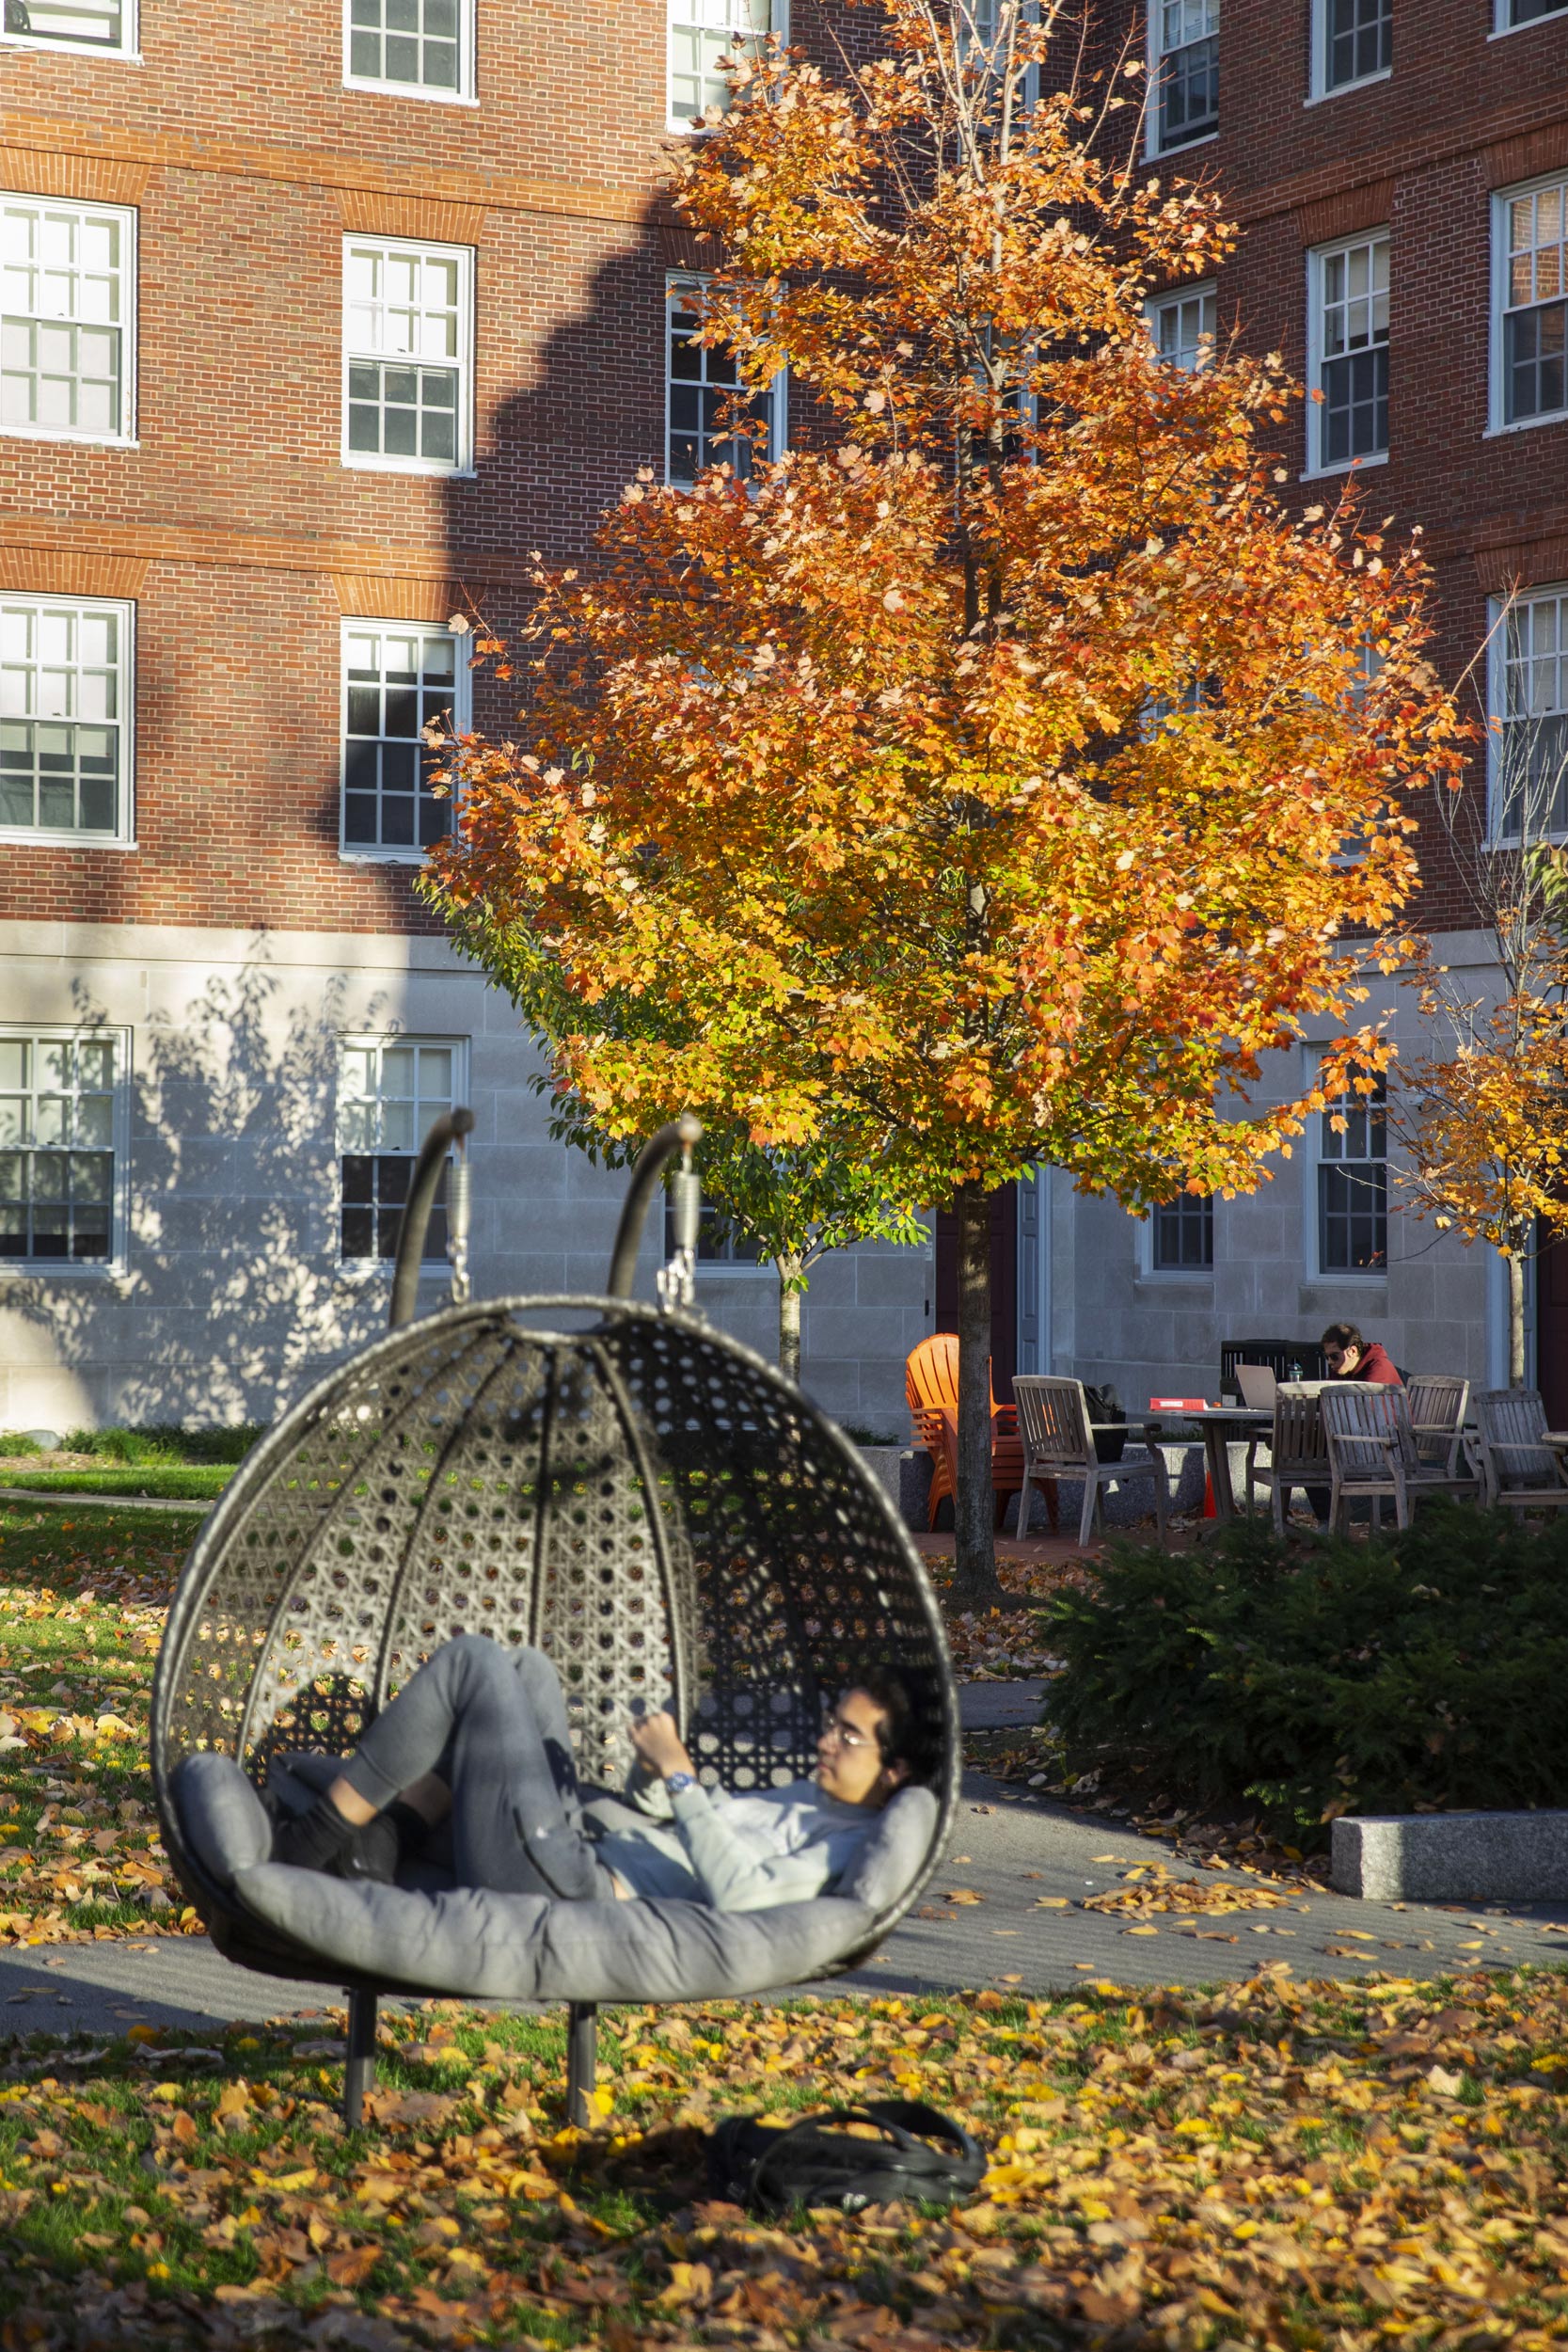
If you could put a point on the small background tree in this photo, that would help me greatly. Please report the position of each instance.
(1480, 1112)
(975, 780)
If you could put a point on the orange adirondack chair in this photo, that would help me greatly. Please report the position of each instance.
(931, 1386)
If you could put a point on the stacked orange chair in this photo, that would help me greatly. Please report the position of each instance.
(931, 1386)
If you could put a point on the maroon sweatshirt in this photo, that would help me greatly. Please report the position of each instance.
(1375, 1364)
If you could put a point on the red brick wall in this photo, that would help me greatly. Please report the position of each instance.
(1461, 116)
(232, 523)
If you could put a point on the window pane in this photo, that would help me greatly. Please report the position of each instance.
(404, 1076)
(403, 306)
(1352, 1186)
(397, 682)
(63, 665)
(410, 44)
(57, 1173)
(1184, 1234)
(1361, 39)
(1187, 34)
(62, 298)
(700, 32)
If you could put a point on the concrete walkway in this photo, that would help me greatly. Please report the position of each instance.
(1029, 1862)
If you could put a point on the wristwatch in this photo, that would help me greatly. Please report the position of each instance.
(675, 1782)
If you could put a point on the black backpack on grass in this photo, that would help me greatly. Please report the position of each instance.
(810, 2163)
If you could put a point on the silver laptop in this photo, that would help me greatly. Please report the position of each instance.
(1257, 1383)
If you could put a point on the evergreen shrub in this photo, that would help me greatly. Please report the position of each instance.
(1422, 1671)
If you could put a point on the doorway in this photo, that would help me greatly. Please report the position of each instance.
(1003, 1285)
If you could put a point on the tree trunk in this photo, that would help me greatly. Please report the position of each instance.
(789, 1318)
(1515, 1321)
(974, 1505)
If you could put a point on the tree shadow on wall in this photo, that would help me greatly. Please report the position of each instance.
(231, 1297)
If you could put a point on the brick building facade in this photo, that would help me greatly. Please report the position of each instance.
(1398, 175)
(315, 325)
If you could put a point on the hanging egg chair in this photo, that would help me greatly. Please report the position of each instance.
(645, 1501)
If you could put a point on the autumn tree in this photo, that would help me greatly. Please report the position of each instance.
(978, 777)
(1479, 1110)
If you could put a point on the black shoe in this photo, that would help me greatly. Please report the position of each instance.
(371, 1852)
(566, 1861)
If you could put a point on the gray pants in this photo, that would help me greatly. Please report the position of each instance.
(492, 1723)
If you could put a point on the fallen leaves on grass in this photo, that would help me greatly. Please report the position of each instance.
(1274, 2165)
(82, 1607)
(1005, 1644)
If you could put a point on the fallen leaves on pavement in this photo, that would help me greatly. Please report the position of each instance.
(1150, 1887)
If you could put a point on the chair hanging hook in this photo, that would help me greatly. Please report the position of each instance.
(459, 1205)
(677, 1282)
(678, 1136)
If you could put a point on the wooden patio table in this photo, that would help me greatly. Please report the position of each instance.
(1215, 1424)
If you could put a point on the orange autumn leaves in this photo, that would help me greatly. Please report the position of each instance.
(997, 776)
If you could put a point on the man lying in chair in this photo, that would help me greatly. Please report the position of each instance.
(479, 1733)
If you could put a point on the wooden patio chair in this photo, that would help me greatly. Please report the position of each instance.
(1057, 1439)
(1298, 1451)
(1373, 1450)
(1437, 1402)
(932, 1388)
(1518, 1470)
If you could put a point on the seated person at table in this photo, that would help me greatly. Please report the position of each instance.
(1349, 1356)
(481, 1733)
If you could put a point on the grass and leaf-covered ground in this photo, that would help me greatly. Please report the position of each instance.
(1310, 2166)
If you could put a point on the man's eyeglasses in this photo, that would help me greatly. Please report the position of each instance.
(845, 1734)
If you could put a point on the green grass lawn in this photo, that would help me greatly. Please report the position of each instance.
(197, 1481)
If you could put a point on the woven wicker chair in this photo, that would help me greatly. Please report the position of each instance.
(651, 1505)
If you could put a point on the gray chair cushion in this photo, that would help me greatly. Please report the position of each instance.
(531, 1948)
(222, 1817)
(471, 1941)
(892, 1858)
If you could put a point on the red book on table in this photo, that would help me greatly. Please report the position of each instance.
(1177, 1404)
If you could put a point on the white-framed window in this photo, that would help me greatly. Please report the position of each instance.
(1352, 40)
(413, 48)
(397, 676)
(409, 333)
(1527, 701)
(1184, 72)
(1183, 325)
(1347, 351)
(1351, 1186)
(698, 34)
(718, 1242)
(66, 705)
(62, 1149)
(105, 27)
(389, 1088)
(700, 382)
(67, 319)
(1512, 13)
(1529, 327)
(1180, 1236)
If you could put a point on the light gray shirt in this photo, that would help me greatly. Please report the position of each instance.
(741, 1853)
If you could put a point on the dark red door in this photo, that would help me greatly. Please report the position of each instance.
(1003, 1285)
(1551, 1331)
